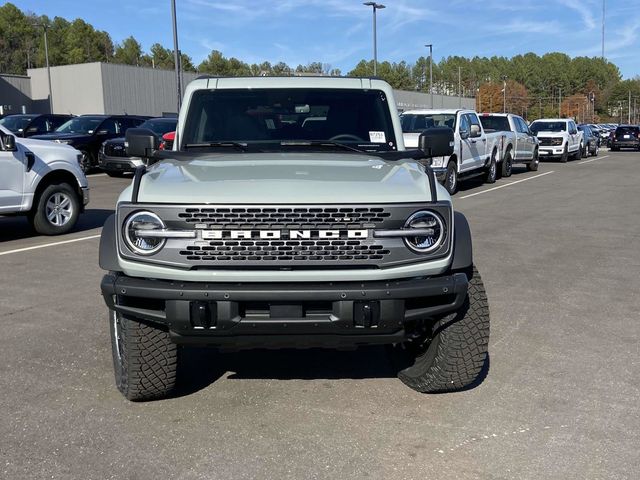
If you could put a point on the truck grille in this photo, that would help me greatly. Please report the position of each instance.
(310, 217)
(285, 236)
(115, 150)
(545, 142)
(285, 250)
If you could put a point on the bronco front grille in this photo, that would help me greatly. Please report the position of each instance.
(285, 236)
(115, 150)
(295, 217)
(285, 250)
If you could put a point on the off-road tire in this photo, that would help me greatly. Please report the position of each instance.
(38, 215)
(585, 150)
(491, 170)
(456, 356)
(145, 360)
(452, 173)
(565, 155)
(533, 165)
(507, 165)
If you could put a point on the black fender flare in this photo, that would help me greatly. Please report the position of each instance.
(462, 245)
(108, 253)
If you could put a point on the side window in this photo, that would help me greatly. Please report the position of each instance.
(39, 125)
(522, 126)
(572, 128)
(474, 120)
(110, 126)
(55, 122)
(464, 123)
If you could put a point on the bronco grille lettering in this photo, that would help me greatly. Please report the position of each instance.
(277, 234)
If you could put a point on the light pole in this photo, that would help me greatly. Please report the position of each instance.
(430, 45)
(374, 6)
(46, 56)
(176, 53)
(504, 94)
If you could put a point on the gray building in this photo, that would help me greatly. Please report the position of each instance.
(15, 94)
(115, 89)
(107, 88)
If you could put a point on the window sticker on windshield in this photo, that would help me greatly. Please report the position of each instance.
(377, 137)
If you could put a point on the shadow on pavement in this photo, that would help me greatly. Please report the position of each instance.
(200, 367)
(18, 228)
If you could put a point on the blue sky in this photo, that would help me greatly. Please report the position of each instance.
(338, 32)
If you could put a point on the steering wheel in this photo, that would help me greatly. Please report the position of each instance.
(346, 136)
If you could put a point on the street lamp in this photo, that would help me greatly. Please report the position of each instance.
(430, 45)
(504, 93)
(374, 6)
(176, 53)
(46, 56)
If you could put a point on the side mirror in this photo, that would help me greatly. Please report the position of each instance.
(9, 143)
(436, 142)
(141, 142)
(464, 133)
(475, 131)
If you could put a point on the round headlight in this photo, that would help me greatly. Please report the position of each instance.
(431, 231)
(135, 228)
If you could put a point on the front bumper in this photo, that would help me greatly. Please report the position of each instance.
(85, 195)
(551, 151)
(625, 143)
(118, 164)
(245, 315)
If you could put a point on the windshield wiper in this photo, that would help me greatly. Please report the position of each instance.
(319, 143)
(236, 145)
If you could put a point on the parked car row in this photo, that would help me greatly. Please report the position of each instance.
(99, 138)
(489, 144)
(485, 145)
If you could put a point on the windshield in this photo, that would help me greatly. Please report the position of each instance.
(416, 123)
(494, 123)
(160, 127)
(16, 123)
(286, 119)
(84, 125)
(548, 127)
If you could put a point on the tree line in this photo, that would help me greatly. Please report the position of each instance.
(535, 85)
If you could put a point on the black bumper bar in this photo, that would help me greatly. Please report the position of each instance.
(277, 314)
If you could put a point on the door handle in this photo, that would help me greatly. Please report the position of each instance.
(484, 140)
(472, 141)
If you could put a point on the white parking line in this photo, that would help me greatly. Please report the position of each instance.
(594, 159)
(53, 244)
(91, 175)
(507, 185)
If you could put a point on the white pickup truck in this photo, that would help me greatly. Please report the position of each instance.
(42, 180)
(559, 138)
(475, 153)
(520, 144)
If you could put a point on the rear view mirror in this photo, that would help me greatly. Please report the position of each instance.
(141, 142)
(436, 142)
(9, 143)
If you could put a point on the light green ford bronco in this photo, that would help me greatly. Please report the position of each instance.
(290, 214)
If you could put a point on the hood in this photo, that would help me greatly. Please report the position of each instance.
(544, 134)
(284, 178)
(62, 136)
(113, 141)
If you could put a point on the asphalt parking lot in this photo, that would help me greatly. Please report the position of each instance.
(558, 251)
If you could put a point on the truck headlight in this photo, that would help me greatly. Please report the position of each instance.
(557, 141)
(430, 231)
(139, 232)
(438, 162)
